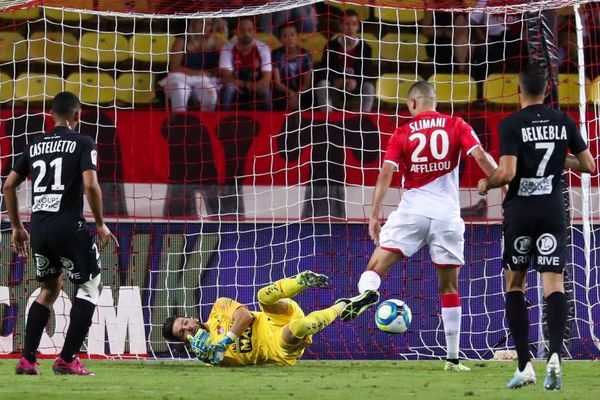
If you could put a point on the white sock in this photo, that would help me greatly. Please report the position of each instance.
(369, 280)
(451, 317)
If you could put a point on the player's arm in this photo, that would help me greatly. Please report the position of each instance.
(384, 180)
(241, 320)
(94, 196)
(507, 168)
(20, 237)
(581, 162)
(485, 161)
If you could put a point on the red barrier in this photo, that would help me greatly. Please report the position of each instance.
(148, 146)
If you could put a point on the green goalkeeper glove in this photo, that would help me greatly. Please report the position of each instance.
(200, 344)
(216, 351)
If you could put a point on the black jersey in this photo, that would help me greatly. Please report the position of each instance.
(540, 138)
(56, 162)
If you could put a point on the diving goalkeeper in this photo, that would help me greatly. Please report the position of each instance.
(234, 335)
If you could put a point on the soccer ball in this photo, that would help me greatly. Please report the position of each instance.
(393, 316)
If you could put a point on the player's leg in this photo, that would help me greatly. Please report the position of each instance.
(48, 274)
(518, 247)
(446, 247)
(517, 317)
(557, 311)
(402, 235)
(81, 262)
(550, 260)
(37, 319)
(379, 264)
(451, 315)
(272, 298)
(298, 329)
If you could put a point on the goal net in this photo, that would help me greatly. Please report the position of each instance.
(223, 170)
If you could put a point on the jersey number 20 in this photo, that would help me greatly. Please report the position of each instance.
(437, 152)
(41, 164)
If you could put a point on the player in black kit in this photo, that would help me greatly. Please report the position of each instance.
(534, 145)
(62, 164)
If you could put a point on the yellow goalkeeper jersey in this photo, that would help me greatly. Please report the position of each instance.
(262, 342)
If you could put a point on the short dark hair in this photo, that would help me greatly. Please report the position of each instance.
(246, 18)
(350, 13)
(65, 104)
(167, 329)
(534, 80)
(424, 89)
(284, 27)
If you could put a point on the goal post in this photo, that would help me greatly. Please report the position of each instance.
(212, 195)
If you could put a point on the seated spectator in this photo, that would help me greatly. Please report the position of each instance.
(292, 71)
(194, 65)
(448, 36)
(304, 18)
(497, 40)
(348, 65)
(245, 65)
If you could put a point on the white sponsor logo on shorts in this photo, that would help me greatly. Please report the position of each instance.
(69, 265)
(42, 266)
(46, 202)
(546, 244)
(535, 186)
(522, 244)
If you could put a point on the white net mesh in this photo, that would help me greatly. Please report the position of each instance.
(214, 202)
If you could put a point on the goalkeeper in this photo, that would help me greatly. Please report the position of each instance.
(234, 335)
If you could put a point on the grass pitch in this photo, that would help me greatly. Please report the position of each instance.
(314, 380)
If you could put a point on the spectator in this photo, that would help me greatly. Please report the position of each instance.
(194, 61)
(292, 70)
(448, 36)
(245, 66)
(348, 62)
(304, 18)
(497, 39)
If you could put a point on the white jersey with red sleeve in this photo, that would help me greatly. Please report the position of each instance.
(427, 152)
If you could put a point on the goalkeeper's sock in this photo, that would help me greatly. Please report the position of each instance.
(81, 319)
(369, 280)
(556, 318)
(36, 322)
(315, 322)
(451, 317)
(282, 289)
(517, 316)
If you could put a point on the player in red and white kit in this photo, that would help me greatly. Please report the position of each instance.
(427, 151)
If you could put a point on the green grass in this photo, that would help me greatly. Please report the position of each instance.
(312, 380)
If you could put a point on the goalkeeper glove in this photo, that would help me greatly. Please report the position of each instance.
(217, 351)
(200, 344)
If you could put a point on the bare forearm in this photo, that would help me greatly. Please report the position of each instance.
(497, 180)
(383, 183)
(94, 197)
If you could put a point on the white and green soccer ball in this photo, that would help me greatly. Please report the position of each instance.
(393, 316)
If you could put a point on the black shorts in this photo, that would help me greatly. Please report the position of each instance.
(544, 241)
(74, 251)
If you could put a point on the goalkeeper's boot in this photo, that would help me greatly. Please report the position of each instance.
(24, 367)
(75, 367)
(450, 366)
(553, 380)
(357, 305)
(311, 279)
(522, 378)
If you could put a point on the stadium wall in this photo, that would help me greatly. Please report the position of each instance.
(161, 269)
